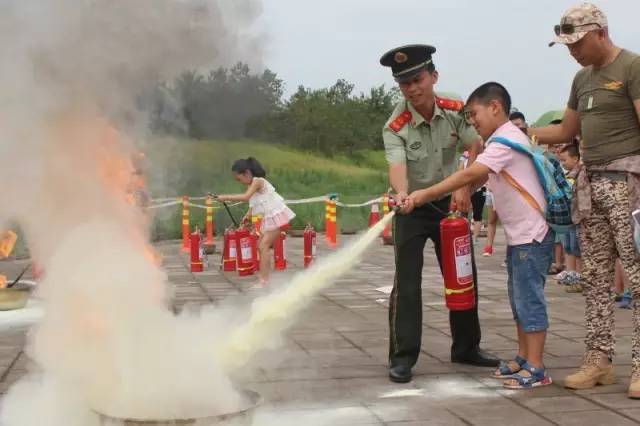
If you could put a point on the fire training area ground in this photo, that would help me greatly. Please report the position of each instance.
(332, 369)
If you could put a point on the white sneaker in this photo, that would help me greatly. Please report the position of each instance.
(561, 276)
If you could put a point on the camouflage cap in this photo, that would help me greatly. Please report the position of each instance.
(577, 21)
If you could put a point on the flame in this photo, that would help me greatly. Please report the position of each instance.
(7, 243)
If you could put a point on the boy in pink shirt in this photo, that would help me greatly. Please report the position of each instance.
(518, 200)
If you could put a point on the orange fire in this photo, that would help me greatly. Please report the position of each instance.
(107, 153)
(7, 243)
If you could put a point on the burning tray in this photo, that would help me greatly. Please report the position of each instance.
(15, 297)
(242, 417)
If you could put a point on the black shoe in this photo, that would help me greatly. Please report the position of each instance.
(479, 358)
(400, 374)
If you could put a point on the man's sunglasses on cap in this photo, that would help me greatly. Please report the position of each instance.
(569, 29)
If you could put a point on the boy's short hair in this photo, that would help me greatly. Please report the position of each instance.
(492, 91)
(572, 149)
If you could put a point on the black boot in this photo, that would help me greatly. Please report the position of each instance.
(400, 374)
(477, 357)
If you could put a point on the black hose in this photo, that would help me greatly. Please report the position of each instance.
(19, 276)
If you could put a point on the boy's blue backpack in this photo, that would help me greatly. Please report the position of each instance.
(557, 191)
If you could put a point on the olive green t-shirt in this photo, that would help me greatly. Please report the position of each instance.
(604, 99)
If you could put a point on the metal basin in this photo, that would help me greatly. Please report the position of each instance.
(242, 417)
(15, 297)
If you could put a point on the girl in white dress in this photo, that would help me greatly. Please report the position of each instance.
(263, 200)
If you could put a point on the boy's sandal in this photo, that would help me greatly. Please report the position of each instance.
(527, 378)
(574, 288)
(507, 369)
(624, 304)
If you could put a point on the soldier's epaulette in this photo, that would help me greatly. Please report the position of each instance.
(450, 104)
(400, 121)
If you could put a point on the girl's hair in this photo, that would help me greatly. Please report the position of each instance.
(251, 164)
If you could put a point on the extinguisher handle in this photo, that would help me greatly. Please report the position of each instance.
(393, 205)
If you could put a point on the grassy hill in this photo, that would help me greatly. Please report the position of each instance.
(188, 167)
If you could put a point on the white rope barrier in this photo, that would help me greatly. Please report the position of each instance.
(168, 202)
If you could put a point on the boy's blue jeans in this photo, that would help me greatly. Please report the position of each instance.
(527, 266)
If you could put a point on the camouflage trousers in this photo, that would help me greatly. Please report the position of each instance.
(604, 236)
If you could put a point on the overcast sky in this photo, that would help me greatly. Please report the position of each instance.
(314, 43)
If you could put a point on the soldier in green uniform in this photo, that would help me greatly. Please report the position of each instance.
(421, 140)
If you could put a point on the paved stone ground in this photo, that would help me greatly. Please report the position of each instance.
(332, 369)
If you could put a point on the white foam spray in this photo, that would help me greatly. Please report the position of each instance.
(272, 314)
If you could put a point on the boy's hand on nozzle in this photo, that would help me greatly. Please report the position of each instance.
(420, 197)
(402, 203)
(461, 199)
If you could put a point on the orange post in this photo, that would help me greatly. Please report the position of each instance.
(209, 224)
(256, 221)
(186, 245)
(331, 227)
(387, 238)
(374, 215)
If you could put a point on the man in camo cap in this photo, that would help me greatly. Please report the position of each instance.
(577, 21)
(604, 107)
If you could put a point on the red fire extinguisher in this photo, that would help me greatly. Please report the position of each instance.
(229, 251)
(245, 247)
(196, 252)
(309, 238)
(455, 242)
(280, 252)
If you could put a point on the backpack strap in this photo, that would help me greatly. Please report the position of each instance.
(525, 194)
(510, 180)
(513, 145)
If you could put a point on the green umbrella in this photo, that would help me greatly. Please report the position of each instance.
(549, 117)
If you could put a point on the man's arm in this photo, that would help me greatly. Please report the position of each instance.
(396, 155)
(558, 133)
(398, 178)
(636, 103)
(400, 184)
(474, 173)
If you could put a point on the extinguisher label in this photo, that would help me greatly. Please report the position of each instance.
(284, 248)
(313, 247)
(464, 270)
(245, 247)
(232, 251)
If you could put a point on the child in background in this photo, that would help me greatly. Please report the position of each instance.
(569, 157)
(263, 200)
(621, 283)
(558, 253)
